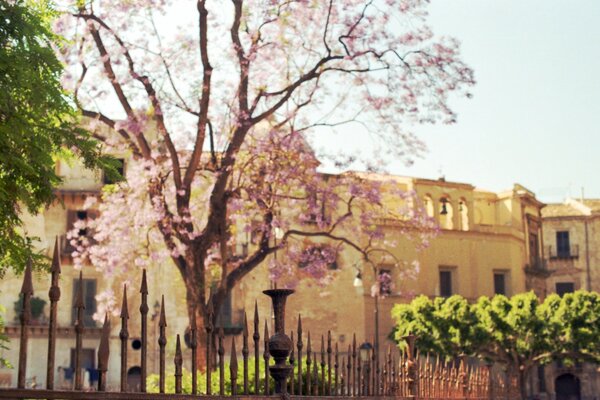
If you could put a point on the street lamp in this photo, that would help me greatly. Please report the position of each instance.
(358, 283)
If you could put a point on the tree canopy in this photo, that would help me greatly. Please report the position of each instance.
(518, 332)
(37, 124)
(218, 103)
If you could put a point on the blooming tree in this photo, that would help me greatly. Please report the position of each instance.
(219, 113)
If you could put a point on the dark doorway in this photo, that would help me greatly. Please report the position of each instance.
(567, 387)
(134, 379)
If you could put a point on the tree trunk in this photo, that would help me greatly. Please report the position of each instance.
(522, 381)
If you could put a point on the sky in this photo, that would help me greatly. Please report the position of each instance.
(535, 115)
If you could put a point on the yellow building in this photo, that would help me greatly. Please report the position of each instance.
(489, 243)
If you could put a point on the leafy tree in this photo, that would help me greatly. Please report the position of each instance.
(517, 332)
(36, 124)
(218, 114)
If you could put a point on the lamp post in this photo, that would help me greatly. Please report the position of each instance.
(358, 283)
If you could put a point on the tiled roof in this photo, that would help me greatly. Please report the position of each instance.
(560, 210)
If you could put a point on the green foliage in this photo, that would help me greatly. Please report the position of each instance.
(444, 326)
(153, 380)
(518, 331)
(3, 340)
(37, 120)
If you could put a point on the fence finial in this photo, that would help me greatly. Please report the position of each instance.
(54, 296)
(124, 336)
(144, 330)
(55, 257)
(178, 361)
(26, 293)
(79, 328)
(103, 354)
(233, 368)
(162, 342)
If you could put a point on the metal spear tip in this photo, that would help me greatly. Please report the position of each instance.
(27, 287)
(162, 321)
(56, 258)
(233, 359)
(178, 355)
(124, 310)
(103, 349)
(144, 288)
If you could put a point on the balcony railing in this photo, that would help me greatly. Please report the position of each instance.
(537, 266)
(570, 252)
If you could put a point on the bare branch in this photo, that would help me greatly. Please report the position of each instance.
(204, 101)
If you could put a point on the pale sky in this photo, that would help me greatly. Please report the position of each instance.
(535, 115)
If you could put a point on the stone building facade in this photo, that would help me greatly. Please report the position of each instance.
(488, 243)
(571, 262)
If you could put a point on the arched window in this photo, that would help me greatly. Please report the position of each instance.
(446, 213)
(428, 204)
(463, 212)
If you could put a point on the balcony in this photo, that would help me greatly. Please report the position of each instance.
(537, 267)
(569, 253)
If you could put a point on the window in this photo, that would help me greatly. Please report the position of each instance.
(445, 283)
(89, 301)
(534, 257)
(500, 283)
(120, 169)
(563, 247)
(564, 287)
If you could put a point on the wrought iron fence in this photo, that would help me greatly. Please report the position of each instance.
(297, 371)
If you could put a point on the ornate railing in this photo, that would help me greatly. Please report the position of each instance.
(323, 369)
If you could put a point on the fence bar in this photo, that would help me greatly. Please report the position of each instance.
(123, 336)
(315, 375)
(349, 372)
(308, 370)
(194, 347)
(329, 351)
(178, 361)
(245, 352)
(322, 365)
(373, 368)
(256, 338)
(162, 342)
(292, 362)
(343, 378)
(266, 357)
(209, 338)
(79, 306)
(54, 295)
(354, 365)
(103, 352)
(233, 368)
(221, 352)
(299, 345)
(144, 331)
(26, 293)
